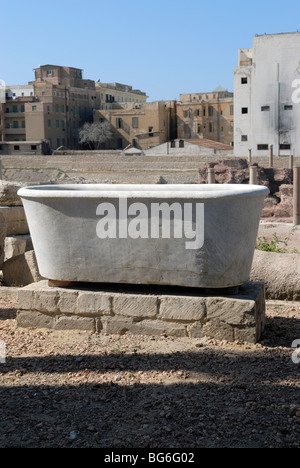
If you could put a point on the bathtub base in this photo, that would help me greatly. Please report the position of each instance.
(234, 290)
(123, 309)
(59, 284)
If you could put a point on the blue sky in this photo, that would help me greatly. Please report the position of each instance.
(162, 47)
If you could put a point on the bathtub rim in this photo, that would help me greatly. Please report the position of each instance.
(143, 191)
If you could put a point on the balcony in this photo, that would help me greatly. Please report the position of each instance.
(14, 114)
(15, 131)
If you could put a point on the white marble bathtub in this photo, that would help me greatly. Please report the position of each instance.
(114, 233)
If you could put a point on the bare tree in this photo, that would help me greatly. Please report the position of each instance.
(95, 134)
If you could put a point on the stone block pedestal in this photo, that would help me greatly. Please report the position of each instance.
(145, 310)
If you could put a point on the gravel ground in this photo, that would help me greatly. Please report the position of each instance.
(82, 390)
(288, 235)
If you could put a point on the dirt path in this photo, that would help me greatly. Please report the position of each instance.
(80, 390)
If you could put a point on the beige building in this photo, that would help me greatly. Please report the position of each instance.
(140, 125)
(31, 148)
(206, 115)
(65, 101)
(116, 96)
(15, 119)
(54, 106)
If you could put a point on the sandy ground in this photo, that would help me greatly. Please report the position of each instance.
(287, 234)
(82, 390)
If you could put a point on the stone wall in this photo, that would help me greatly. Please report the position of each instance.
(279, 204)
(112, 167)
(17, 259)
(145, 311)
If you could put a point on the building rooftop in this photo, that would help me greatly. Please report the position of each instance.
(277, 34)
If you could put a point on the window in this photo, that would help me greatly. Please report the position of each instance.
(285, 146)
(265, 108)
(62, 109)
(33, 147)
(49, 72)
(244, 138)
(151, 135)
(16, 148)
(210, 127)
(119, 123)
(57, 124)
(34, 108)
(49, 123)
(181, 144)
(288, 107)
(23, 123)
(199, 128)
(231, 110)
(15, 109)
(22, 108)
(262, 147)
(210, 111)
(197, 112)
(244, 80)
(135, 122)
(15, 124)
(57, 108)
(244, 110)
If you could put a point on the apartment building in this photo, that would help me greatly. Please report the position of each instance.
(267, 97)
(15, 118)
(140, 125)
(116, 96)
(206, 115)
(65, 100)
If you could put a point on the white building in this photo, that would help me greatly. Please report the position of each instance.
(267, 96)
(14, 92)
